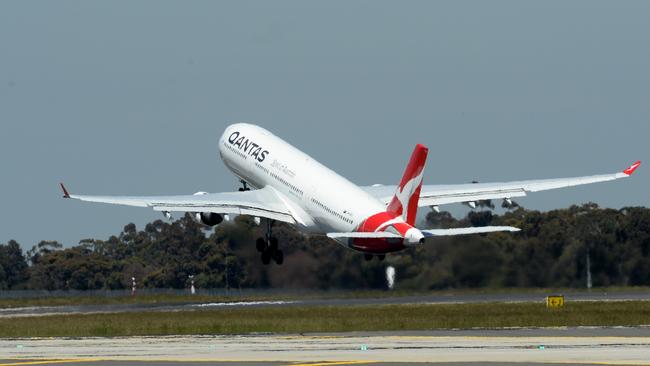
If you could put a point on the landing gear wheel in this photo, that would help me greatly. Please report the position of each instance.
(278, 257)
(260, 244)
(266, 257)
(273, 245)
(367, 256)
(268, 245)
(381, 257)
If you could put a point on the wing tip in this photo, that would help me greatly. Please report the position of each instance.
(630, 170)
(65, 191)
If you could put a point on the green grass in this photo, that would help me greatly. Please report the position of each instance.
(294, 319)
(144, 298)
(111, 300)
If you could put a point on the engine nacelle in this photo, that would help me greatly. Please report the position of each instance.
(208, 218)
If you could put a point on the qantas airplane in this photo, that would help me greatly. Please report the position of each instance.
(282, 183)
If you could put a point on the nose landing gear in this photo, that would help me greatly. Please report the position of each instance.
(244, 186)
(269, 246)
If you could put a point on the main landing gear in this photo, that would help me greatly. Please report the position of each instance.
(269, 246)
(368, 256)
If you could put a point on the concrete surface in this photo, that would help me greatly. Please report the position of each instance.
(620, 345)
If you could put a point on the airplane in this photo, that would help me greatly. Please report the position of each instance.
(280, 183)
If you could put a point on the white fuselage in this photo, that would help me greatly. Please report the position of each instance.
(322, 200)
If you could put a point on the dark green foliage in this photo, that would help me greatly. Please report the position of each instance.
(13, 266)
(550, 251)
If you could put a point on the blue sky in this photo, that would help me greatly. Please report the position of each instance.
(129, 97)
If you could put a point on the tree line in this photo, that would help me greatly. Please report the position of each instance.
(551, 250)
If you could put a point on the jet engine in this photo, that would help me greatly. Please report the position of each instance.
(208, 218)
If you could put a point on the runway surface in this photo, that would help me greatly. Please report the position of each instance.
(91, 362)
(619, 345)
(418, 299)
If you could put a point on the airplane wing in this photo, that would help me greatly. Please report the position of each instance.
(265, 202)
(434, 195)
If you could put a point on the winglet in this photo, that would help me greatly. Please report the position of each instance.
(632, 168)
(65, 191)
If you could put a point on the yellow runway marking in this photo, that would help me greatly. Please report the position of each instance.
(149, 360)
(332, 363)
(76, 360)
(610, 363)
(48, 362)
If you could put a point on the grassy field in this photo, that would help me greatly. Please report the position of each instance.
(330, 319)
(112, 300)
(163, 298)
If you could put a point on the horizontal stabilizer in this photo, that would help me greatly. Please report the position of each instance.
(366, 235)
(468, 230)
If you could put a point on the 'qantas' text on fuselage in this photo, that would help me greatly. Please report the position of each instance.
(248, 146)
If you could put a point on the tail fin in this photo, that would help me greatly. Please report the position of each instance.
(405, 201)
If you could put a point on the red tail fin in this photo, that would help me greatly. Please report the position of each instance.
(405, 201)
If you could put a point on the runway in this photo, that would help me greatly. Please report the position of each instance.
(98, 362)
(416, 299)
(516, 346)
(619, 345)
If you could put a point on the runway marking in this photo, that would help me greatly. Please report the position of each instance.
(206, 360)
(331, 363)
(244, 303)
(47, 362)
(313, 337)
(610, 363)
